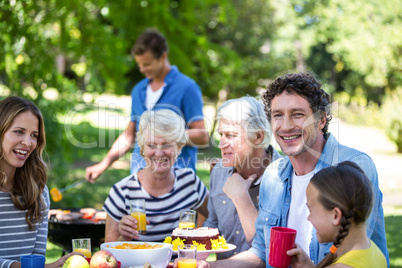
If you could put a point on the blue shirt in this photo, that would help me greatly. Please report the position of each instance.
(182, 95)
(275, 195)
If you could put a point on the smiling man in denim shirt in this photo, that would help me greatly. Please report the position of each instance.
(299, 112)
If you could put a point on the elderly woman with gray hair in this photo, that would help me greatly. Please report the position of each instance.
(235, 180)
(166, 189)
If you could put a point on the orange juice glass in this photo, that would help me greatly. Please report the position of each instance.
(187, 255)
(83, 251)
(141, 218)
(183, 225)
(137, 211)
(187, 263)
(187, 219)
(83, 246)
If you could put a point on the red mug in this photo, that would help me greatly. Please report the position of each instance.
(282, 239)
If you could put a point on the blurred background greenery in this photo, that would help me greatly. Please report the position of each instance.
(66, 54)
(61, 53)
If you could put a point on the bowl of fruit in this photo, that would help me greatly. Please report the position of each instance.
(132, 253)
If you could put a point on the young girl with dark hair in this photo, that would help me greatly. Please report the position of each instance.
(340, 199)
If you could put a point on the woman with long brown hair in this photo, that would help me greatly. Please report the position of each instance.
(24, 197)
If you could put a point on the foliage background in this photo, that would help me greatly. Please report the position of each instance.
(60, 53)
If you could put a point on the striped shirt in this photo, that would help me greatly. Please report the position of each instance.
(163, 212)
(16, 239)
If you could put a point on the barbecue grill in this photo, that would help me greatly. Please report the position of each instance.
(61, 232)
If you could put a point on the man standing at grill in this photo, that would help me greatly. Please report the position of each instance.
(164, 87)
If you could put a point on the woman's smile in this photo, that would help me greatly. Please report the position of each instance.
(19, 141)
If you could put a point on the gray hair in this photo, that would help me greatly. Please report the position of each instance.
(164, 124)
(249, 113)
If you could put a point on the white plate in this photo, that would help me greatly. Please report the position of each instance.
(203, 254)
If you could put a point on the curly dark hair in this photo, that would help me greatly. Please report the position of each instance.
(305, 85)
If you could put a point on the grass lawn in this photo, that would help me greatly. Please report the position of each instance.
(393, 223)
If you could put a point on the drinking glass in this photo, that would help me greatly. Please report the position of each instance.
(187, 219)
(137, 211)
(187, 255)
(83, 246)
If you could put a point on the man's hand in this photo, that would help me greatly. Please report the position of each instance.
(120, 147)
(93, 172)
(236, 187)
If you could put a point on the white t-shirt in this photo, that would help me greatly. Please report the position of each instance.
(299, 212)
(152, 97)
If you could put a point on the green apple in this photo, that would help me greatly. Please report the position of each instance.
(76, 261)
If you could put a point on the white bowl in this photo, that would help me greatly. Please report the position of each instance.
(157, 257)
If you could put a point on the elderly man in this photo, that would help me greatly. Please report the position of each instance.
(235, 179)
(299, 112)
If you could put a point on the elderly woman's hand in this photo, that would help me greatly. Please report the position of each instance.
(127, 228)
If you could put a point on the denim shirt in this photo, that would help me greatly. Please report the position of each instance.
(275, 195)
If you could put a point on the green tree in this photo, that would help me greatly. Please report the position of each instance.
(358, 43)
(56, 51)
